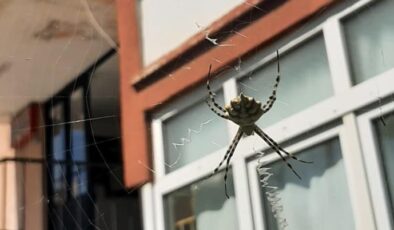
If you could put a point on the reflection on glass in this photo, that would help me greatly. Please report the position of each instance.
(321, 199)
(305, 81)
(58, 178)
(370, 36)
(385, 134)
(202, 206)
(58, 148)
(78, 144)
(192, 134)
(82, 202)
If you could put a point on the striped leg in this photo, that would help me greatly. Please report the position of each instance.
(229, 151)
(268, 105)
(211, 94)
(215, 111)
(281, 149)
(261, 134)
(230, 154)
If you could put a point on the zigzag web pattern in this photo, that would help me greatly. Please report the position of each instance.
(271, 192)
(186, 140)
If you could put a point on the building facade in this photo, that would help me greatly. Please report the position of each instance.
(334, 108)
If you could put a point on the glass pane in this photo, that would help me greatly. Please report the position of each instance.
(202, 206)
(192, 134)
(304, 81)
(57, 176)
(78, 144)
(321, 199)
(370, 36)
(82, 202)
(58, 150)
(385, 135)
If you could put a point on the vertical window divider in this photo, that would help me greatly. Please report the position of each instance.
(255, 196)
(355, 171)
(230, 91)
(158, 149)
(147, 204)
(242, 194)
(337, 56)
(240, 175)
(158, 197)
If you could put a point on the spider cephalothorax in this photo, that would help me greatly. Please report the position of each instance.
(245, 111)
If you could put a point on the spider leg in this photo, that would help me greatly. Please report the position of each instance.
(268, 105)
(281, 149)
(211, 94)
(229, 151)
(229, 156)
(215, 111)
(276, 149)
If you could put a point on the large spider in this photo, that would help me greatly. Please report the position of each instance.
(245, 111)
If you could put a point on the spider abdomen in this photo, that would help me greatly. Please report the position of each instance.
(244, 110)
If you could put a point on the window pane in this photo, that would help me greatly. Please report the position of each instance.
(385, 135)
(321, 199)
(370, 38)
(58, 173)
(202, 206)
(78, 144)
(305, 80)
(192, 134)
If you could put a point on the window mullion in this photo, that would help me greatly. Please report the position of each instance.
(147, 206)
(337, 56)
(158, 149)
(355, 170)
(230, 92)
(241, 187)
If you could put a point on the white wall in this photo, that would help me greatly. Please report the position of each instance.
(8, 188)
(165, 24)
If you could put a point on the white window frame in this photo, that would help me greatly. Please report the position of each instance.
(379, 192)
(343, 105)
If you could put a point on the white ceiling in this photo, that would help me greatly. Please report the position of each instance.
(45, 44)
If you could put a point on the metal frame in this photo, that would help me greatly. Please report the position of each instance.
(367, 196)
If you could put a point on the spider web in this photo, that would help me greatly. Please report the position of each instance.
(87, 25)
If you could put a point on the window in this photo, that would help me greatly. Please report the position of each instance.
(85, 187)
(377, 143)
(322, 193)
(300, 78)
(315, 116)
(201, 204)
(385, 139)
(181, 131)
(369, 38)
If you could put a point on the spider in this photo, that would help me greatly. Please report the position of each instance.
(245, 111)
